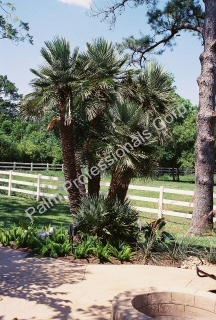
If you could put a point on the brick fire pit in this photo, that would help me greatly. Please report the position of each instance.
(164, 304)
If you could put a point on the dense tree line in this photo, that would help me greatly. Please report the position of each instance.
(21, 140)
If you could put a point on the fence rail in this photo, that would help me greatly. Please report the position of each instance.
(9, 181)
(31, 166)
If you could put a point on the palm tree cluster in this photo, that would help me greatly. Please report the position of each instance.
(100, 107)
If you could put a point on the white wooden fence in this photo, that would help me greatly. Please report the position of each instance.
(31, 166)
(38, 185)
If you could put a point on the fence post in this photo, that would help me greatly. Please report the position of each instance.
(160, 206)
(47, 166)
(38, 187)
(62, 167)
(31, 166)
(10, 183)
(14, 166)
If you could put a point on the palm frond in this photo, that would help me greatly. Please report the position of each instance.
(53, 123)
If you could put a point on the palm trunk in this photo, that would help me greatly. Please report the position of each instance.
(69, 163)
(119, 184)
(81, 184)
(202, 219)
(94, 181)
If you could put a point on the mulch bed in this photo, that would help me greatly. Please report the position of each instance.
(157, 259)
(138, 258)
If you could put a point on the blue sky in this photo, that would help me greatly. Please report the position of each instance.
(68, 18)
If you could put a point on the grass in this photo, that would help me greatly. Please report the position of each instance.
(186, 183)
(12, 209)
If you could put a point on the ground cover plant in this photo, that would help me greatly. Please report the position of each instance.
(153, 246)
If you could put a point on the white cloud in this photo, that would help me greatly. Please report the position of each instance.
(82, 3)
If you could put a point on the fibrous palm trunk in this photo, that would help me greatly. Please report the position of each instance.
(69, 163)
(93, 182)
(202, 218)
(94, 179)
(119, 184)
(81, 182)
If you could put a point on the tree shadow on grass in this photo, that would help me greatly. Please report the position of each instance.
(12, 210)
(39, 280)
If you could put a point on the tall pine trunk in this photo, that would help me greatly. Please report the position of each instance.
(119, 184)
(69, 162)
(202, 219)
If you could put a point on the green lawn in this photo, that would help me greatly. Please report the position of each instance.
(12, 209)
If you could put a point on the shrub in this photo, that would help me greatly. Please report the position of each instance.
(153, 238)
(17, 235)
(109, 220)
(27, 236)
(103, 252)
(155, 230)
(83, 249)
(53, 249)
(122, 253)
(56, 245)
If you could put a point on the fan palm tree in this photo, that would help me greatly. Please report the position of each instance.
(55, 87)
(99, 92)
(153, 89)
(132, 146)
(149, 94)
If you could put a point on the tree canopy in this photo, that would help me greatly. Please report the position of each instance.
(12, 27)
(165, 23)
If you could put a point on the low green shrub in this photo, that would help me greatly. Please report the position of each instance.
(103, 252)
(155, 230)
(153, 237)
(27, 236)
(122, 253)
(17, 235)
(109, 220)
(83, 249)
(53, 249)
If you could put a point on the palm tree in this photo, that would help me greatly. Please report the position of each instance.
(55, 88)
(99, 92)
(133, 153)
(152, 95)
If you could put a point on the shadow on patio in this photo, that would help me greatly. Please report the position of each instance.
(39, 280)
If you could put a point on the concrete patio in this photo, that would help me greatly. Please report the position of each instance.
(52, 289)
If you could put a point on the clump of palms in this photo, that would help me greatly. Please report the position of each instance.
(142, 96)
